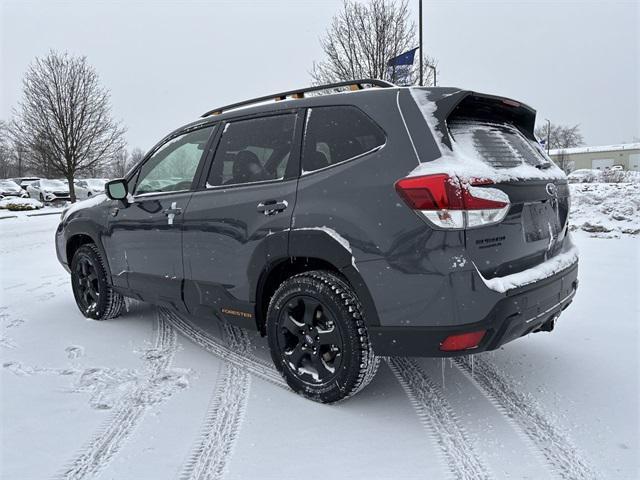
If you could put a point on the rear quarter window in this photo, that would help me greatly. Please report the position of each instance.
(337, 134)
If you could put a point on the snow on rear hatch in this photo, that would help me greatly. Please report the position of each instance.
(491, 139)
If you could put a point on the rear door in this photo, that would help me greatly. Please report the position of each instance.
(241, 215)
(144, 244)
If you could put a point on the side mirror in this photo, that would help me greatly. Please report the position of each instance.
(116, 189)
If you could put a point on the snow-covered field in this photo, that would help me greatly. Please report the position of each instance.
(606, 209)
(155, 395)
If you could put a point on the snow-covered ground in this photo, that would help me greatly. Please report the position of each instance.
(155, 395)
(606, 209)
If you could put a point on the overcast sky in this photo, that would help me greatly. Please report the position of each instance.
(165, 63)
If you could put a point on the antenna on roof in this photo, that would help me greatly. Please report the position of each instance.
(352, 84)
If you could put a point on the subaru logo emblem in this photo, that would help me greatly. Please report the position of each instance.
(552, 190)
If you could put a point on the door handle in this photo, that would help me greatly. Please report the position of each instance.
(172, 212)
(271, 207)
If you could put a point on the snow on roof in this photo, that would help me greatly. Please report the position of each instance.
(603, 148)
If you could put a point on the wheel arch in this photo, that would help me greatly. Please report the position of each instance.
(77, 237)
(310, 249)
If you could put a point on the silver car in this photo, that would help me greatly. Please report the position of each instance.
(9, 188)
(89, 187)
(48, 190)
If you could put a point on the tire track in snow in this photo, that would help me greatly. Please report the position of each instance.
(246, 360)
(215, 444)
(106, 443)
(527, 415)
(438, 418)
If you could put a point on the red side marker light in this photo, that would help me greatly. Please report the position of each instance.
(463, 341)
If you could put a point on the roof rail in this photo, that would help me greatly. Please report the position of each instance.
(353, 84)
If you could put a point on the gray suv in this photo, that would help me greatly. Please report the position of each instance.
(346, 226)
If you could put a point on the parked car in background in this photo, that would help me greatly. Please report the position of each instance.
(48, 190)
(9, 188)
(24, 182)
(89, 187)
(583, 175)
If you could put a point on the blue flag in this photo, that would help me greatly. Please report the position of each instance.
(399, 68)
(405, 58)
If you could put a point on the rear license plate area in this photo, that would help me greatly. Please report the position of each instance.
(540, 221)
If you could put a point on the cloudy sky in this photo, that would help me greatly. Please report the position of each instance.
(167, 62)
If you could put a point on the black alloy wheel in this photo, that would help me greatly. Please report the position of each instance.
(94, 296)
(318, 338)
(310, 339)
(86, 280)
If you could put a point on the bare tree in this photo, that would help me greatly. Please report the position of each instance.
(363, 37)
(137, 154)
(6, 154)
(123, 162)
(118, 166)
(560, 136)
(64, 118)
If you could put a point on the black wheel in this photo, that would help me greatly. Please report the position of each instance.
(318, 338)
(41, 198)
(88, 194)
(94, 296)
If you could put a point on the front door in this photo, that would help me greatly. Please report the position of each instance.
(241, 216)
(145, 235)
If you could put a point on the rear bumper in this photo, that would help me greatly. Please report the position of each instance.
(519, 312)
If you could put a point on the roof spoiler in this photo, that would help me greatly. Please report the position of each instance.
(452, 103)
(299, 93)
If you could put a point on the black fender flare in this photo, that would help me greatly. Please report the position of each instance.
(77, 227)
(313, 243)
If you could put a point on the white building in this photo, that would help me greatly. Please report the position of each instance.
(598, 158)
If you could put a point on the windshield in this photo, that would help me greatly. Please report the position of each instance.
(53, 184)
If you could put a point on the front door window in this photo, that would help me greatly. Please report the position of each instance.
(173, 166)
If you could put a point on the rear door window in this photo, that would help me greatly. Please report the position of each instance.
(253, 150)
(337, 134)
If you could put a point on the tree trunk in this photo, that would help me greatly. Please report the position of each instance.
(72, 188)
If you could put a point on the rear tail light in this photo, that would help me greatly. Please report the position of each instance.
(447, 202)
(463, 341)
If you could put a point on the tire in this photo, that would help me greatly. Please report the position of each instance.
(94, 296)
(88, 194)
(318, 338)
(41, 198)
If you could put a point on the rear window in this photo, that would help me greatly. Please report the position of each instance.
(499, 144)
(337, 134)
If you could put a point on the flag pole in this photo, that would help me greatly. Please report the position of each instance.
(420, 30)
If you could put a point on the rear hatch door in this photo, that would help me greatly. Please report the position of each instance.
(494, 136)
(535, 226)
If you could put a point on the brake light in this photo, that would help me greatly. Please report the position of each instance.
(463, 341)
(447, 202)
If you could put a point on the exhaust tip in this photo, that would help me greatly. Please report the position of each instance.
(549, 325)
